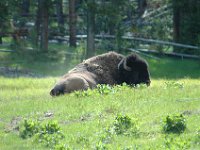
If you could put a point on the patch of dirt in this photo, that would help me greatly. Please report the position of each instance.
(16, 72)
(48, 114)
(191, 112)
(14, 124)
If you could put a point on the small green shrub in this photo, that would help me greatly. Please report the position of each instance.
(51, 127)
(174, 124)
(123, 124)
(29, 128)
(49, 134)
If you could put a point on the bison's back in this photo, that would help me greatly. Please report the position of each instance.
(105, 67)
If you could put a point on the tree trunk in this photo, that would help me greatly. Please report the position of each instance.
(25, 7)
(142, 4)
(72, 23)
(1, 41)
(176, 24)
(60, 19)
(186, 24)
(37, 24)
(44, 27)
(90, 29)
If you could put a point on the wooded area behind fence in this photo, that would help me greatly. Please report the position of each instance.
(164, 26)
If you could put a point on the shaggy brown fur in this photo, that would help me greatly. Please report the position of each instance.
(109, 68)
(105, 67)
(101, 69)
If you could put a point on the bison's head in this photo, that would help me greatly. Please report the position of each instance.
(69, 84)
(134, 70)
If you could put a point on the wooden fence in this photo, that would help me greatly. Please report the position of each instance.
(144, 40)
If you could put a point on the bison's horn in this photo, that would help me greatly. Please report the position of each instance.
(127, 68)
(120, 64)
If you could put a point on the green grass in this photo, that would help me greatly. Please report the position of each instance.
(84, 120)
(170, 68)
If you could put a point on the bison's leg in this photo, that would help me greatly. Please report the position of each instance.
(69, 85)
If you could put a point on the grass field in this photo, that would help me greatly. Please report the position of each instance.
(87, 120)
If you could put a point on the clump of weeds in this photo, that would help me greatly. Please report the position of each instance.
(49, 134)
(174, 124)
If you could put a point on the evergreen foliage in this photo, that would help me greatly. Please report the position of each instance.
(37, 22)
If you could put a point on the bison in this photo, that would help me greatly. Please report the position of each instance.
(109, 68)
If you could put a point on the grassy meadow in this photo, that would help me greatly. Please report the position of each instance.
(88, 120)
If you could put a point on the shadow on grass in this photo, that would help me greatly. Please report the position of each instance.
(44, 68)
(174, 68)
(164, 68)
(54, 63)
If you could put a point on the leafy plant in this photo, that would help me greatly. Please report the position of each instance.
(123, 124)
(101, 89)
(174, 124)
(48, 134)
(87, 93)
(29, 128)
(104, 89)
(50, 128)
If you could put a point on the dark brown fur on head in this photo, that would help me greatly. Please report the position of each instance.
(134, 70)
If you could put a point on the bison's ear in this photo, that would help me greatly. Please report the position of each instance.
(132, 58)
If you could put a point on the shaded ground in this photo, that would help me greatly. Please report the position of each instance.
(163, 68)
(173, 68)
(17, 72)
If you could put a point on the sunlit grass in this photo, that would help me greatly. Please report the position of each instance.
(88, 117)
(84, 119)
